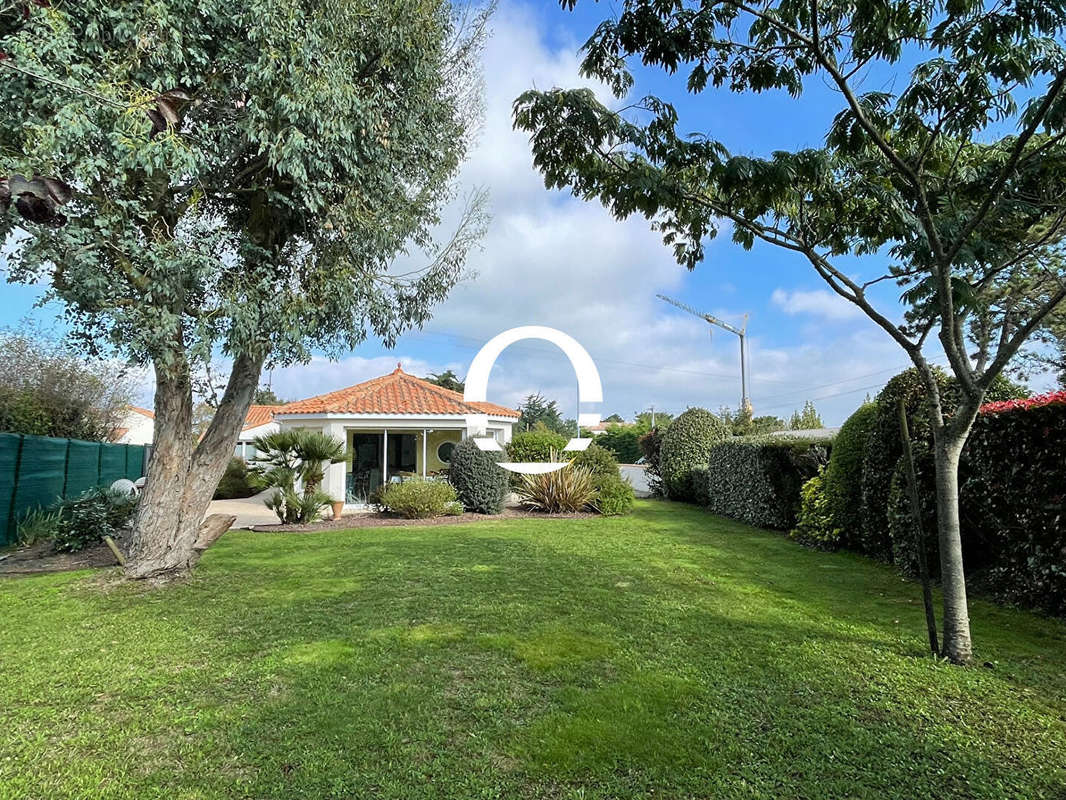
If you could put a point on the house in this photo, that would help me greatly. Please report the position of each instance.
(393, 426)
(136, 427)
(258, 422)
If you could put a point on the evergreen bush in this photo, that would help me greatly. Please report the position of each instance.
(480, 484)
(686, 446)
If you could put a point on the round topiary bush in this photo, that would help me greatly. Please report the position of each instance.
(843, 476)
(883, 448)
(479, 484)
(597, 460)
(686, 446)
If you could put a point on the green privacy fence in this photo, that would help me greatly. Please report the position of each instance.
(36, 471)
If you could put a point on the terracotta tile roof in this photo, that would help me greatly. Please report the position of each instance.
(258, 415)
(143, 411)
(396, 393)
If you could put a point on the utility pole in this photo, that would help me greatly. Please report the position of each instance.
(745, 399)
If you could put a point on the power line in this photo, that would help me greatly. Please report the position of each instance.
(544, 351)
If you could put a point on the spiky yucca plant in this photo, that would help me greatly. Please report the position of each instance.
(565, 491)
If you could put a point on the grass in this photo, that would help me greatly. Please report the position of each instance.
(665, 654)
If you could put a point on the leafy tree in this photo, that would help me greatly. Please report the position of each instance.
(239, 177)
(1052, 354)
(447, 380)
(615, 418)
(807, 419)
(742, 423)
(644, 422)
(950, 170)
(537, 413)
(623, 441)
(264, 396)
(47, 388)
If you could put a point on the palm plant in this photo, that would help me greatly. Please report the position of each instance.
(303, 454)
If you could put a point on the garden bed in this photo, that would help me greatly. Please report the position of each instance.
(39, 558)
(383, 519)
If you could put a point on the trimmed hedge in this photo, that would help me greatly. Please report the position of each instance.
(842, 484)
(686, 446)
(479, 484)
(758, 480)
(1013, 488)
(535, 446)
(623, 441)
(882, 451)
(1012, 500)
(883, 448)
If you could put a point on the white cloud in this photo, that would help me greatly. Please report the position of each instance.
(819, 302)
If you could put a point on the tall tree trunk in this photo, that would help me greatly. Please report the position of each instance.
(956, 640)
(183, 475)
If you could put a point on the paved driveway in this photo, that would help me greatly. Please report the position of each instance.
(248, 510)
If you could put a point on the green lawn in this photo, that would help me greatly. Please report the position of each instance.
(668, 654)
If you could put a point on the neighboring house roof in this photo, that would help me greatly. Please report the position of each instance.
(809, 433)
(142, 411)
(259, 415)
(602, 426)
(396, 393)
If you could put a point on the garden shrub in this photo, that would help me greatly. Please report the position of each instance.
(37, 525)
(614, 495)
(622, 441)
(1014, 498)
(535, 446)
(884, 447)
(480, 484)
(882, 451)
(758, 480)
(418, 499)
(843, 476)
(237, 481)
(814, 523)
(91, 516)
(686, 446)
(563, 491)
(597, 460)
(901, 520)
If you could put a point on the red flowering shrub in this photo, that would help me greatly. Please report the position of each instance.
(1049, 399)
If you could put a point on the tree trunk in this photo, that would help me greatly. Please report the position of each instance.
(956, 644)
(183, 475)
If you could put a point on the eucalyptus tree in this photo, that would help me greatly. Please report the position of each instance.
(950, 169)
(236, 177)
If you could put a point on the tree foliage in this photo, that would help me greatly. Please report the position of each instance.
(243, 176)
(447, 380)
(539, 413)
(49, 389)
(948, 166)
(807, 419)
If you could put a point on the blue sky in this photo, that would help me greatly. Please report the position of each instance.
(550, 259)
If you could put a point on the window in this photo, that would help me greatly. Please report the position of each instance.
(444, 451)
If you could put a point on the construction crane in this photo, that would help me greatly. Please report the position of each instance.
(745, 400)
